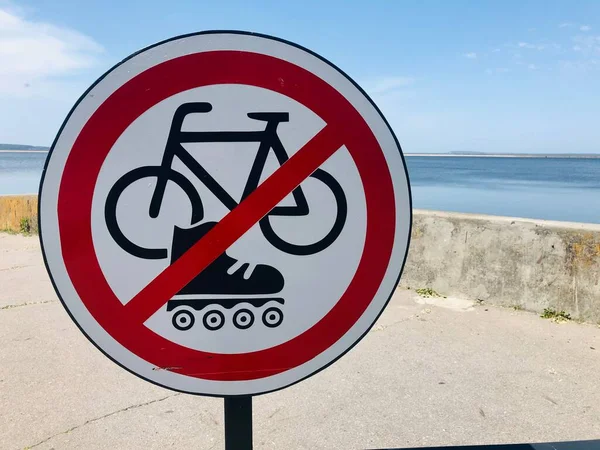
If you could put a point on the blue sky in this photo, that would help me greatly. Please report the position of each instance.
(509, 76)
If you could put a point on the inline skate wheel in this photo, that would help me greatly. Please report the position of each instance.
(243, 319)
(272, 317)
(183, 320)
(213, 320)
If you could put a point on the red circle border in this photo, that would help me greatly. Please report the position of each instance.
(171, 77)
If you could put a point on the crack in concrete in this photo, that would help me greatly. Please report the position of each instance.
(96, 419)
(15, 267)
(43, 302)
(383, 327)
(276, 411)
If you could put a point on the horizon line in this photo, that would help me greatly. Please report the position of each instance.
(429, 154)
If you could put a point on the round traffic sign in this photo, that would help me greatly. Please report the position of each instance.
(225, 213)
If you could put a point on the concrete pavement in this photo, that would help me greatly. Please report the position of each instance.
(431, 372)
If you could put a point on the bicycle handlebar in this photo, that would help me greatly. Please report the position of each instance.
(188, 108)
(192, 108)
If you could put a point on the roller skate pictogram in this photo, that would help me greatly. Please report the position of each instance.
(228, 283)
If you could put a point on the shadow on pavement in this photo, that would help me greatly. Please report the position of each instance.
(569, 445)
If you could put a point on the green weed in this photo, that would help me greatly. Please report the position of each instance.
(556, 316)
(25, 225)
(428, 293)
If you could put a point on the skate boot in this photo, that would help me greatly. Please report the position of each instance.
(226, 282)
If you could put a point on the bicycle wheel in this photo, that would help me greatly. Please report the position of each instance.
(110, 207)
(338, 225)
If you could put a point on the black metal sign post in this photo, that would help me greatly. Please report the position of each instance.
(238, 423)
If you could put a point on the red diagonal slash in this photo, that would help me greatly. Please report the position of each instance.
(233, 226)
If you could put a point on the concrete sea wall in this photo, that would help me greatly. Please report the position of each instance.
(529, 264)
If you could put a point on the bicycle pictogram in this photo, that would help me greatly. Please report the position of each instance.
(227, 282)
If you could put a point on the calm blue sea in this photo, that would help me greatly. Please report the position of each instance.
(539, 188)
(20, 172)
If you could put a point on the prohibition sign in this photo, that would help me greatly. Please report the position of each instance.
(118, 326)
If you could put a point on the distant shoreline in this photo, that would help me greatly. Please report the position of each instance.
(512, 155)
(23, 151)
(439, 155)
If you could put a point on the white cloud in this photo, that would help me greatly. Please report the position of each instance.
(470, 55)
(581, 66)
(531, 46)
(385, 85)
(587, 44)
(565, 25)
(585, 28)
(587, 54)
(497, 70)
(532, 67)
(35, 54)
(496, 50)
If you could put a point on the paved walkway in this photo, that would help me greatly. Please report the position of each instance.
(446, 373)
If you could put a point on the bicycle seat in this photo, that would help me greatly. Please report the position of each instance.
(270, 116)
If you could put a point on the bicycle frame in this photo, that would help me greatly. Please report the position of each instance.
(267, 139)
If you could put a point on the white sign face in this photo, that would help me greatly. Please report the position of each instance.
(225, 213)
